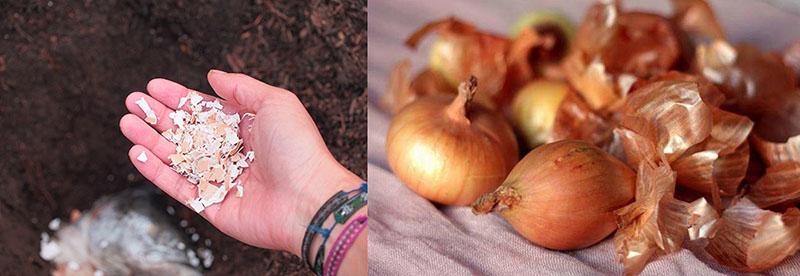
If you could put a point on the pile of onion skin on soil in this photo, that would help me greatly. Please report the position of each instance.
(652, 127)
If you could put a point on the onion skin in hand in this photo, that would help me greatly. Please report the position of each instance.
(448, 150)
(563, 195)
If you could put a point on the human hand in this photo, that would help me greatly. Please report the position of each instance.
(292, 175)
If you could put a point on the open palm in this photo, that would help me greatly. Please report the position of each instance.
(292, 174)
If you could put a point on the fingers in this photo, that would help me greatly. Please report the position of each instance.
(170, 93)
(244, 90)
(161, 175)
(136, 130)
(162, 112)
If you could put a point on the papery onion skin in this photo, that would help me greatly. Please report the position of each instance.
(461, 51)
(534, 109)
(755, 82)
(643, 44)
(779, 187)
(401, 91)
(447, 157)
(671, 114)
(575, 120)
(750, 239)
(563, 195)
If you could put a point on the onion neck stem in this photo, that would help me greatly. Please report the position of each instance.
(457, 110)
(504, 197)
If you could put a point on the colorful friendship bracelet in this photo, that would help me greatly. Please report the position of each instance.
(340, 217)
(330, 206)
(343, 243)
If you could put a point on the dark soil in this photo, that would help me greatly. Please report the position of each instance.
(65, 69)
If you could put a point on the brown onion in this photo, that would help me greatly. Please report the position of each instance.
(448, 150)
(562, 195)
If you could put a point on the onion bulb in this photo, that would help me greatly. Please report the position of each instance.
(534, 109)
(562, 195)
(448, 150)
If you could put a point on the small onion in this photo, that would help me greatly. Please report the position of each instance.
(562, 195)
(448, 150)
(534, 109)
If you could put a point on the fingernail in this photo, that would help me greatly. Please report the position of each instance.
(215, 71)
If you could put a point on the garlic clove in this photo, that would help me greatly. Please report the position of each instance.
(750, 239)
(780, 186)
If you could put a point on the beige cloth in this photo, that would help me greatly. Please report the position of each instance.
(411, 236)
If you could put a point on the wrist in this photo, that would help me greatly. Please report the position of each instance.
(323, 183)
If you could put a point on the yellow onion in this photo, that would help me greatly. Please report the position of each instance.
(750, 239)
(562, 195)
(448, 150)
(534, 108)
(401, 91)
(461, 51)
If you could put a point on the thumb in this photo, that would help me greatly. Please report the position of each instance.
(242, 89)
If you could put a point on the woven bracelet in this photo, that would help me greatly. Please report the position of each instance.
(343, 243)
(315, 226)
(341, 216)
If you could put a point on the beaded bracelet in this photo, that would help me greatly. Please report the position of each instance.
(340, 217)
(315, 226)
(343, 244)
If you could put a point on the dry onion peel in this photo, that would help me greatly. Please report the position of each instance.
(656, 223)
(450, 150)
(461, 51)
(577, 121)
(562, 195)
(591, 81)
(702, 219)
(719, 163)
(696, 18)
(773, 153)
(750, 239)
(669, 113)
(402, 90)
(780, 186)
